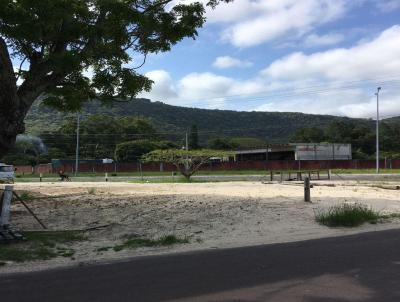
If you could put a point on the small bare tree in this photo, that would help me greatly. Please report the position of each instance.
(187, 162)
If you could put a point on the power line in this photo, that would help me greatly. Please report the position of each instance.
(323, 88)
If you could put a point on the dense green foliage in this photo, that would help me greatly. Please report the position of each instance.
(362, 137)
(133, 150)
(99, 135)
(102, 128)
(194, 138)
(173, 121)
(74, 51)
(66, 37)
(28, 150)
(235, 143)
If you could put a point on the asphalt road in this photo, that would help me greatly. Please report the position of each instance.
(363, 267)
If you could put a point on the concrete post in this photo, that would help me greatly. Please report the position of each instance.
(6, 206)
(307, 195)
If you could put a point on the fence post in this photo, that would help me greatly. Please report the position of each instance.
(307, 195)
(141, 171)
(6, 206)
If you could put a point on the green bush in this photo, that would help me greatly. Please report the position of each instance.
(133, 150)
(347, 215)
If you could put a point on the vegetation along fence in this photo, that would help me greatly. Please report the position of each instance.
(226, 166)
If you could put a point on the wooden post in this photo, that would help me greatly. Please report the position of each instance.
(307, 195)
(329, 174)
(141, 171)
(106, 176)
(40, 176)
(6, 206)
(271, 175)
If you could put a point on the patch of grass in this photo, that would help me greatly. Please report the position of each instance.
(347, 215)
(66, 252)
(92, 191)
(26, 196)
(103, 249)
(40, 246)
(144, 242)
(391, 215)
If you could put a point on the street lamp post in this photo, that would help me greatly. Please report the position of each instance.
(377, 129)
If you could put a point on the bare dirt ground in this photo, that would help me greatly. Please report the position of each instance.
(210, 215)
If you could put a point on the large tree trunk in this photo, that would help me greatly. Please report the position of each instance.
(11, 124)
(12, 110)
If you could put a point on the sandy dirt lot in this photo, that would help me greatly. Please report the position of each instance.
(210, 215)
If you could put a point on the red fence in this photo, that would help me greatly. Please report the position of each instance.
(42, 168)
(242, 165)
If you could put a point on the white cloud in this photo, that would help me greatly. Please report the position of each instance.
(199, 89)
(339, 81)
(355, 102)
(344, 79)
(163, 88)
(228, 62)
(378, 57)
(197, 86)
(255, 22)
(314, 40)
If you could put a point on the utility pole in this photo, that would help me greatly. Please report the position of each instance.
(77, 147)
(377, 129)
(187, 142)
(187, 149)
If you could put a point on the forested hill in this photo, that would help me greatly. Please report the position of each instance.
(271, 126)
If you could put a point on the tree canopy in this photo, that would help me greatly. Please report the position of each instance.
(234, 143)
(362, 137)
(72, 51)
(134, 150)
(99, 135)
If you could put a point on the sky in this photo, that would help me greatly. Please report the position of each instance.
(311, 56)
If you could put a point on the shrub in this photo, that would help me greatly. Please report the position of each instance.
(133, 150)
(347, 215)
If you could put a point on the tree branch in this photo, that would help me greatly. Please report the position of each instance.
(19, 69)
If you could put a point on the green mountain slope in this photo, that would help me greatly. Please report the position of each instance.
(173, 120)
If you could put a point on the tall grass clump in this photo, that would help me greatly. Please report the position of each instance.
(347, 215)
(144, 242)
